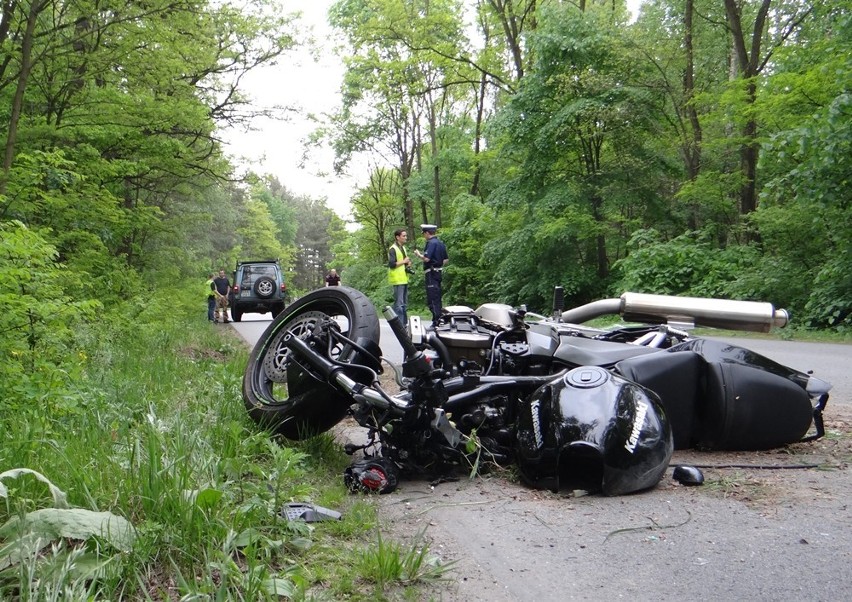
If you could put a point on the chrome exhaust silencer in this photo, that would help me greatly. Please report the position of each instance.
(684, 311)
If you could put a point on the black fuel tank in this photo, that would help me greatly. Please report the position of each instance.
(593, 430)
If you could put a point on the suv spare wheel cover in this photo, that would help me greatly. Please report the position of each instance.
(264, 287)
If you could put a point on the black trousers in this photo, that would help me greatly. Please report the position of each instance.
(433, 294)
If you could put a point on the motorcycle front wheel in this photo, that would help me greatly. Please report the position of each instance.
(282, 397)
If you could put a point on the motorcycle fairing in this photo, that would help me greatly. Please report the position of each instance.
(721, 352)
(724, 397)
(594, 430)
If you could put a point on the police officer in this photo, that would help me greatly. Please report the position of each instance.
(434, 257)
(398, 265)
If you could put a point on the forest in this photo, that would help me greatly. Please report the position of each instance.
(702, 148)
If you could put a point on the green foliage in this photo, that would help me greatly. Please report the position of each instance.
(594, 140)
(806, 221)
(164, 446)
(689, 264)
(114, 147)
(37, 323)
(62, 570)
(319, 229)
(468, 275)
(387, 562)
(258, 233)
(707, 202)
(280, 205)
(829, 304)
(377, 209)
(572, 127)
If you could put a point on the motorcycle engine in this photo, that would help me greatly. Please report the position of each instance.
(465, 336)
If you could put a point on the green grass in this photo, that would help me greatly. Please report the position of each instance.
(388, 562)
(153, 436)
(788, 333)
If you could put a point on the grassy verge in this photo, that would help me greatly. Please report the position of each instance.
(143, 479)
(782, 334)
(789, 333)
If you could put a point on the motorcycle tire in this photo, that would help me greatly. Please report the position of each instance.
(286, 399)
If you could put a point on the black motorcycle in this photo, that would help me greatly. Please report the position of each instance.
(572, 406)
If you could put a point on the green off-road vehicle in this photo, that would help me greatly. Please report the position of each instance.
(258, 287)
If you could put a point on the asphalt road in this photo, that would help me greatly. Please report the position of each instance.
(761, 534)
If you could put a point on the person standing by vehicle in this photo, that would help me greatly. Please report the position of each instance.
(211, 297)
(223, 287)
(434, 257)
(398, 265)
(332, 279)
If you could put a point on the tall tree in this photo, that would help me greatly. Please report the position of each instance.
(376, 208)
(573, 126)
(751, 58)
(319, 228)
(684, 44)
(133, 93)
(404, 59)
(516, 19)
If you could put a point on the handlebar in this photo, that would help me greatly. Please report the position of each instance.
(399, 331)
(334, 373)
(415, 363)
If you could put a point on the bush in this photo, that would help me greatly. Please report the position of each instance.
(38, 323)
(686, 265)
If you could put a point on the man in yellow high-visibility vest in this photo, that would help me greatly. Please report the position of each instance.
(211, 297)
(398, 266)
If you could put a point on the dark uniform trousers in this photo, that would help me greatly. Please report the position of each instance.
(433, 292)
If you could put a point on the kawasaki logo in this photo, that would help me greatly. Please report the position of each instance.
(536, 421)
(638, 421)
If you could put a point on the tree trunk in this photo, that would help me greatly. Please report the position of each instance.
(477, 138)
(693, 147)
(436, 169)
(9, 7)
(749, 153)
(513, 28)
(18, 100)
(748, 65)
(600, 240)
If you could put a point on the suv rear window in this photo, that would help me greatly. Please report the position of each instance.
(252, 272)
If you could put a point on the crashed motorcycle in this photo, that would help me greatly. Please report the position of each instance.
(572, 406)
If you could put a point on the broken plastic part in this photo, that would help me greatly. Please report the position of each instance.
(310, 513)
(372, 475)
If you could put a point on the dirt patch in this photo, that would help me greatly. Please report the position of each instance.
(797, 472)
(197, 353)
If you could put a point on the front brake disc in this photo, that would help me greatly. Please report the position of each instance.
(277, 356)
